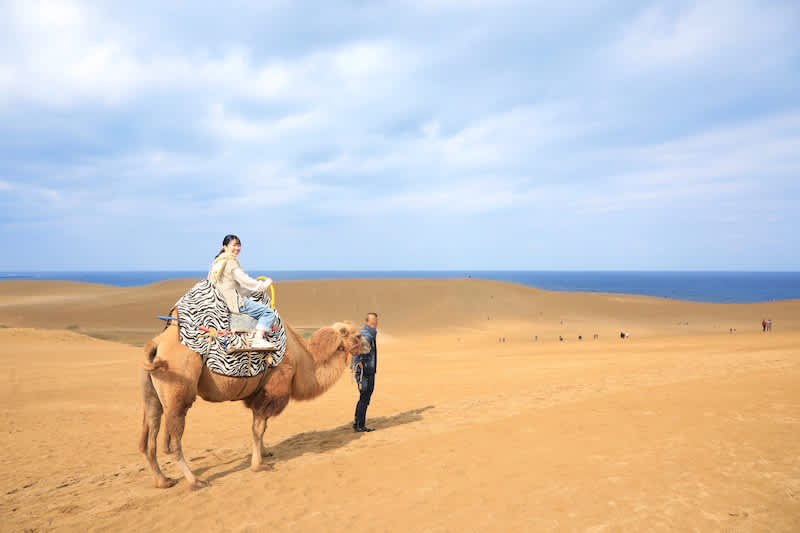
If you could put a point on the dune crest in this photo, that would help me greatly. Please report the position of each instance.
(440, 306)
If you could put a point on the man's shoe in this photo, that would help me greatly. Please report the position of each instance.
(364, 429)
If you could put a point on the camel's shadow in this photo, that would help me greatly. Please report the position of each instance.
(316, 442)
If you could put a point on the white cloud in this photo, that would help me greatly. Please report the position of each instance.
(50, 14)
(362, 60)
(55, 54)
(763, 146)
(669, 35)
(735, 161)
(36, 195)
(473, 197)
(508, 135)
(267, 187)
(66, 55)
(232, 127)
(433, 6)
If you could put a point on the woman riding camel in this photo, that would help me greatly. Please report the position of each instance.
(235, 285)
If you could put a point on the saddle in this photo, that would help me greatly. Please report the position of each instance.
(207, 327)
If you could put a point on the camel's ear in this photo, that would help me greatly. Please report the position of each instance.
(324, 341)
(343, 328)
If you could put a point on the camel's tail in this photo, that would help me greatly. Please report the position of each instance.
(150, 364)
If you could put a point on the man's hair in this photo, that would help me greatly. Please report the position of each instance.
(370, 314)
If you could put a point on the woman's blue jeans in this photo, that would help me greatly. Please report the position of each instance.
(263, 313)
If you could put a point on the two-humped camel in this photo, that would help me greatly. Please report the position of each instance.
(173, 376)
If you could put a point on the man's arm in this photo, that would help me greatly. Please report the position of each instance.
(367, 334)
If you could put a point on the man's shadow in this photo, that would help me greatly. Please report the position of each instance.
(317, 442)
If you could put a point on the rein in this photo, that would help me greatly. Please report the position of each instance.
(358, 369)
(212, 333)
(348, 351)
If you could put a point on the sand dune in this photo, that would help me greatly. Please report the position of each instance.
(442, 307)
(684, 426)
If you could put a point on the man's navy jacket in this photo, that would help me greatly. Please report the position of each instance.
(370, 359)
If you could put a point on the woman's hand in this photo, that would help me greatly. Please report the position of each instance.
(265, 283)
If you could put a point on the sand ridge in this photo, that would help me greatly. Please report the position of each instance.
(442, 307)
(680, 427)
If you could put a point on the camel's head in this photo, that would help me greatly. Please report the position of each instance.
(342, 337)
(353, 342)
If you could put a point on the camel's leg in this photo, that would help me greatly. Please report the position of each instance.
(177, 391)
(175, 421)
(151, 423)
(259, 426)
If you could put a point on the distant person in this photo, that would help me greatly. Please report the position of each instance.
(235, 285)
(580, 338)
(621, 334)
(366, 365)
(769, 324)
(596, 336)
(764, 325)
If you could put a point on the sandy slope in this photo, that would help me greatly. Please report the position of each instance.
(446, 307)
(681, 427)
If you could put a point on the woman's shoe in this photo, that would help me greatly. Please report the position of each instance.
(261, 343)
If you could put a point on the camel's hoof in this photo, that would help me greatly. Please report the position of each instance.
(165, 483)
(262, 467)
(197, 484)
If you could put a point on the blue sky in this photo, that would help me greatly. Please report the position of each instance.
(435, 134)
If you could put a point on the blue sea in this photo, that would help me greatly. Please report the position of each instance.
(715, 287)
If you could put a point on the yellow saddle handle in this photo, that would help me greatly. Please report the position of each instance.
(271, 291)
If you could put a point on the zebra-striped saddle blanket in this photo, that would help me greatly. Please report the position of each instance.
(203, 305)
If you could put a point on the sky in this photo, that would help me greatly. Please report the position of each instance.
(407, 135)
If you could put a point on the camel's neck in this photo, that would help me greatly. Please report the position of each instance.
(314, 374)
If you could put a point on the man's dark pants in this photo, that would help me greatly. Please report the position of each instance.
(366, 388)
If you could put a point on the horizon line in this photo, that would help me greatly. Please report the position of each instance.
(464, 270)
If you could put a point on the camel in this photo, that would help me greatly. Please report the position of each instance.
(173, 376)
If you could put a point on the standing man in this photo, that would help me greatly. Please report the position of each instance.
(366, 365)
